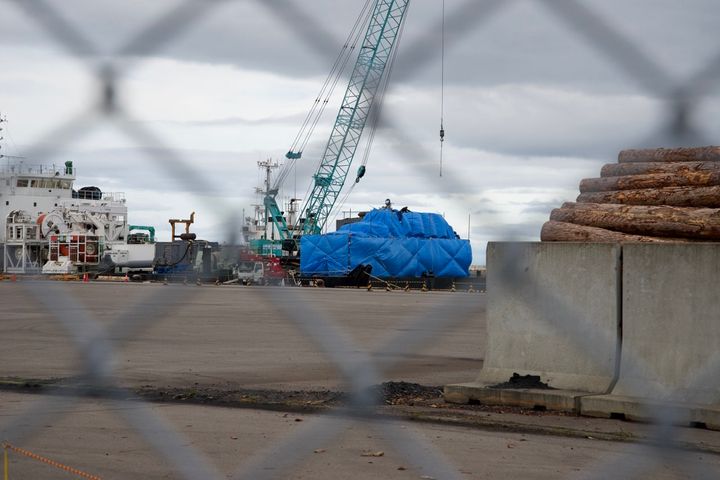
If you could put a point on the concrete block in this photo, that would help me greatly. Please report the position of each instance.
(529, 398)
(671, 334)
(553, 311)
(646, 409)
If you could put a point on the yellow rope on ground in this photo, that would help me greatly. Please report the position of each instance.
(75, 471)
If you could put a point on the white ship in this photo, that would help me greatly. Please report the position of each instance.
(46, 226)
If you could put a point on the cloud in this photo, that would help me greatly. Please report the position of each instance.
(292, 120)
(510, 231)
(531, 105)
(546, 50)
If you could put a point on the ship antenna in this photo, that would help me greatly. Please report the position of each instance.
(2, 120)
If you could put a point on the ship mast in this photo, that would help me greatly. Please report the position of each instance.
(268, 166)
(2, 120)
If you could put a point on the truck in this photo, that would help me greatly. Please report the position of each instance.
(253, 269)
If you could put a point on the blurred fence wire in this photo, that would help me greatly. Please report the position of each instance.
(97, 345)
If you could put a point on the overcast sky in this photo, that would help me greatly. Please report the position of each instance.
(534, 101)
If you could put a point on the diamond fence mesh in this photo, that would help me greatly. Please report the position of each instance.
(97, 339)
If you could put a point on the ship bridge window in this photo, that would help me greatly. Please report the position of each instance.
(49, 183)
(44, 183)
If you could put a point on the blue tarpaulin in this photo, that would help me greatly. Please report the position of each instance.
(396, 244)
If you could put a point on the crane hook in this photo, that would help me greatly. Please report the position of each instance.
(360, 173)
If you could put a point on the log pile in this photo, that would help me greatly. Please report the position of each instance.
(651, 195)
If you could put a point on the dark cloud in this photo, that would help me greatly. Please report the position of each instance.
(521, 42)
(524, 81)
(485, 210)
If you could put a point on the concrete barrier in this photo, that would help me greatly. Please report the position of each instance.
(553, 312)
(671, 336)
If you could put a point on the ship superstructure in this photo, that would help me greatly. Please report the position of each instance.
(47, 226)
(26, 192)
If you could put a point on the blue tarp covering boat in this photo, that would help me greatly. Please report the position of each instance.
(396, 243)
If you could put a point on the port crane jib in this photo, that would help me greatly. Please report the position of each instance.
(373, 59)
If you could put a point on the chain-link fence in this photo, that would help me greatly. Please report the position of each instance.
(99, 340)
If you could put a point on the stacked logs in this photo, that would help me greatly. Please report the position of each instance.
(652, 195)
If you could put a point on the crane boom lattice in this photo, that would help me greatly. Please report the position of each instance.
(365, 79)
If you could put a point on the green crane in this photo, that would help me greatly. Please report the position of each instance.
(386, 20)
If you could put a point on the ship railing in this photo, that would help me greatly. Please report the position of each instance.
(114, 196)
(20, 168)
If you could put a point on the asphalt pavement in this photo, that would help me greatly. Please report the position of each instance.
(242, 382)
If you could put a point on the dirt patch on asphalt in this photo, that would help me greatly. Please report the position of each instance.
(402, 394)
(388, 393)
(297, 399)
(524, 381)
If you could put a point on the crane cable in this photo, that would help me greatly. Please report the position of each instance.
(442, 85)
(365, 21)
(345, 51)
(374, 120)
(323, 98)
(315, 113)
(378, 104)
